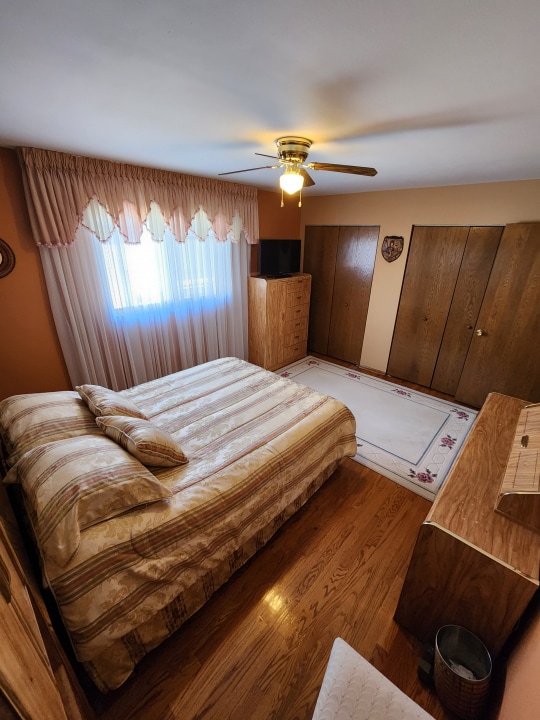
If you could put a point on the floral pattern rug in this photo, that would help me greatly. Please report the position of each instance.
(405, 435)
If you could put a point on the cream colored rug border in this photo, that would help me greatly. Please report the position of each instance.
(407, 436)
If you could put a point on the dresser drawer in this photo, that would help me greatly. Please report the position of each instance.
(294, 338)
(297, 295)
(296, 311)
(294, 352)
(299, 324)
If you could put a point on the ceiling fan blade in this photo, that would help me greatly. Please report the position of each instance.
(308, 180)
(263, 167)
(263, 155)
(352, 169)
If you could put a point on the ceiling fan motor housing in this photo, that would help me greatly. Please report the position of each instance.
(293, 149)
(292, 152)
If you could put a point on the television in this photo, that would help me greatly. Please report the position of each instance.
(279, 258)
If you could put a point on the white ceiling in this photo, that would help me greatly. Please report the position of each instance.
(429, 92)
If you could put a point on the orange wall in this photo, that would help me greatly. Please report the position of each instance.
(276, 222)
(30, 355)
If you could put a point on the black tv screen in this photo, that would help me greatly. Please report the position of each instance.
(279, 258)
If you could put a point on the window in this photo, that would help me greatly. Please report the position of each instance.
(135, 295)
(161, 274)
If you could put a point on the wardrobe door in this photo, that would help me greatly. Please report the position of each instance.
(480, 251)
(503, 354)
(355, 260)
(320, 250)
(432, 269)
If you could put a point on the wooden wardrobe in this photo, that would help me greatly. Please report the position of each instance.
(37, 681)
(468, 320)
(340, 260)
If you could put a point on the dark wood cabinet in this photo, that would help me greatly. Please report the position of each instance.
(320, 252)
(340, 260)
(503, 353)
(468, 322)
(432, 270)
(472, 280)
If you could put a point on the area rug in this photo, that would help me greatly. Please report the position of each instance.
(405, 435)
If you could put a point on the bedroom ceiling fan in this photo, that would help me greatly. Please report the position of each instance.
(292, 155)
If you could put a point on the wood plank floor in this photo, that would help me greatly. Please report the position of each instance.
(259, 648)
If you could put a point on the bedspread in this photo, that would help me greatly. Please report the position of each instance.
(257, 447)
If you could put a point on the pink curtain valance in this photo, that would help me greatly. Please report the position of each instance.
(66, 191)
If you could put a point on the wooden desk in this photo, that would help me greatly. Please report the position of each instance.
(472, 566)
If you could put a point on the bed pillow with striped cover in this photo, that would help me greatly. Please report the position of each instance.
(32, 419)
(73, 484)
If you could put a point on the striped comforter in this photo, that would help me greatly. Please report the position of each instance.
(258, 447)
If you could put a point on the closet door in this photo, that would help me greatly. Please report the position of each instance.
(355, 260)
(480, 251)
(320, 251)
(431, 273)
(503, 355)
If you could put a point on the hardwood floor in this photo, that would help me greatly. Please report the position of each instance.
(259, 648)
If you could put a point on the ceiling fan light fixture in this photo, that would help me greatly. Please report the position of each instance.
(292, 180)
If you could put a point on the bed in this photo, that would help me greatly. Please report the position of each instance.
(143, 502)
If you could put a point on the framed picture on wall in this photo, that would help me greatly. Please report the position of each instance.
(7, 259)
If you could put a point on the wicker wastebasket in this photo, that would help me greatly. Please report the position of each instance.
(462, 671)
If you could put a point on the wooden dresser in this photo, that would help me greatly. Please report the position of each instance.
(36, 677)
(473, 566)
(278, 319)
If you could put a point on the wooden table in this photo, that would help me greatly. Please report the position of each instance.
(472, 566)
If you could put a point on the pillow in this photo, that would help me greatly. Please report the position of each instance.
(146, 442)
(103, 401)
(30, 420)
(73, 484)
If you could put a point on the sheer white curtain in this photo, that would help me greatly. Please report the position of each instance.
(131, 301)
